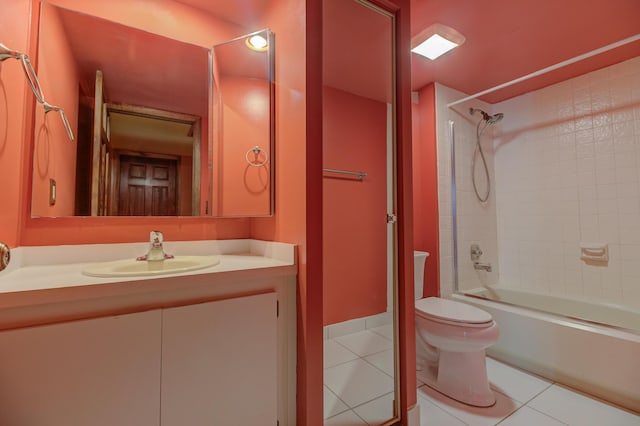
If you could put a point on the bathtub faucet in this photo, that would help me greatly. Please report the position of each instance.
(156, 249)
(482, 266)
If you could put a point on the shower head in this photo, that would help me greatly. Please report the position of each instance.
(490, 119)
(495, 118)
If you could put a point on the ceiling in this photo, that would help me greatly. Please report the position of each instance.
(505, 39)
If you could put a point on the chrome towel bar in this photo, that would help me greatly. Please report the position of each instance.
(360, 175)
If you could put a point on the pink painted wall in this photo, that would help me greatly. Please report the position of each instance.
(245, 189)
(14, 24)
(425, 187)
(54, 154)
(354, 211)
(298, 215)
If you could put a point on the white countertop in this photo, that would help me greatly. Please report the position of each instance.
(43, 281)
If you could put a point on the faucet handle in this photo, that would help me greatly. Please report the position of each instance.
(476, 252)
(5, 256)
(156, 238)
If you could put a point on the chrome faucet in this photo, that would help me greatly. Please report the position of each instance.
(482, 266)
(156, 249)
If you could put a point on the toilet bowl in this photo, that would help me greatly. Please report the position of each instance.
(451, 338)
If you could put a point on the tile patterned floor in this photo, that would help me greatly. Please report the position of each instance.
(358, 391)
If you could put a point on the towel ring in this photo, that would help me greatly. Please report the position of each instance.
(256, 150)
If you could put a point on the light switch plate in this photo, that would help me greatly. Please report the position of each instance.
(52, 192)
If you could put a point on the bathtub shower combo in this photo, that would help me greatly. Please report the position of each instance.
(577, 330)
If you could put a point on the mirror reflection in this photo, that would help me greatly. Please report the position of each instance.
(359, 270)
(142, 108)
(243, 117)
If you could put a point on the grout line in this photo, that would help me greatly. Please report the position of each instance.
(339, 399)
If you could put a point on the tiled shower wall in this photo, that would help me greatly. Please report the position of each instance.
(476, 222)
(567, 171)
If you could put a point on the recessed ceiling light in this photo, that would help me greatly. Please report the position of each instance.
(436, 40)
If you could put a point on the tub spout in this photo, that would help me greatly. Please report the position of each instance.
(482, 266)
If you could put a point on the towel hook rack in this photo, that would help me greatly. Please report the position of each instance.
(34, 83)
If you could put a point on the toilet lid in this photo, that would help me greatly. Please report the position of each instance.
(444, 310)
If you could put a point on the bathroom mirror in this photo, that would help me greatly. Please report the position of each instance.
(243, 125)
(141, 106)
(359, 234)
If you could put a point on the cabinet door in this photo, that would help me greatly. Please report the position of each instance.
(98, 372)
(219, 363)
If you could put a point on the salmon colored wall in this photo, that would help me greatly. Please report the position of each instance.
(244, 189)
(14, 24)
(354, 211)
(54, 153)
(425, 187)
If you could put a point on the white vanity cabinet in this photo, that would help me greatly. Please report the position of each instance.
(215, 346)
(98, 372)
(219, 363)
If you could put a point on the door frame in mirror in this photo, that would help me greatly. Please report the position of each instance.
(146, 112)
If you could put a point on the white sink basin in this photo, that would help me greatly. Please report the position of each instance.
(138, 268)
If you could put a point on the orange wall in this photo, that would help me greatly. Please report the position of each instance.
(54, 153)
(298, 161)
(354, 211)
(14, 22)
(425, 187)
(245, 189)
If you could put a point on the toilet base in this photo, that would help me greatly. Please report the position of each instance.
(461, 376)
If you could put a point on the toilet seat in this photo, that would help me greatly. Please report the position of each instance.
(452, 313)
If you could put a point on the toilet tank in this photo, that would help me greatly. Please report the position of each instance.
(419, 257)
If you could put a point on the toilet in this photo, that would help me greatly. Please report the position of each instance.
(451, 338)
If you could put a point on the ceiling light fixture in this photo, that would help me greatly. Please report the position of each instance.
(257, 43)
(436, 40)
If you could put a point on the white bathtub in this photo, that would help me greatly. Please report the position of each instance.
(599, 360)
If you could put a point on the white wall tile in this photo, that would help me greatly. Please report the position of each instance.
(565, 168)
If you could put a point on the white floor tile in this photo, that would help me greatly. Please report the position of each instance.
(345, 327)
(364, 342)
(348, 418)
(575, 408)
(385, 331)
(475, 416)
(526, 416)
(335, 353)
(383, 361)
(432, 415)
(514, 383)
(357, 382)
(332, 404)
(378, 411)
